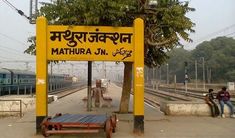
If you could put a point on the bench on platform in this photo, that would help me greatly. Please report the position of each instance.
(97, 99)
(191, 108)
(105, 102)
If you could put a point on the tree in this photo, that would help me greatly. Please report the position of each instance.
(219, 57)
(219, 60)
(32, 48)
(177, 59)
(165, 24)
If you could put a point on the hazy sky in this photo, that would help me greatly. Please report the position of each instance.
(213, 18)
(210, 16)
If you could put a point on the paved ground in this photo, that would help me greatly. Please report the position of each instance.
(156, 124)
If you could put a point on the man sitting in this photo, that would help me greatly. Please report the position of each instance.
(224, 98)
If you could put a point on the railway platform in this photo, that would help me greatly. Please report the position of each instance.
(157, 125)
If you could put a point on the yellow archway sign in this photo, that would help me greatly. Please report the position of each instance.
(90, 43)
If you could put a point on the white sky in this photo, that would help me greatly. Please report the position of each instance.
(210, 16)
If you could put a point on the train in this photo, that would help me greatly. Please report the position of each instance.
(13, 81)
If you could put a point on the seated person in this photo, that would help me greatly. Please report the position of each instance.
(224, 98)
(210, 101)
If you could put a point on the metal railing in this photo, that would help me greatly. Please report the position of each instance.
(20, 110)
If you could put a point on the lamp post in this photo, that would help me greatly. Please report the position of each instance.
(152, 3)
(139, 119)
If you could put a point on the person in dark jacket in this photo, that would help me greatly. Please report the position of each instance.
(210, 101)
(224, 98)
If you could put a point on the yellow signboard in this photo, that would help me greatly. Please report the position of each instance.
(90, 43)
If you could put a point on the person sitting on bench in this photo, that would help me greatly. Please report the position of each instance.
(213, 106)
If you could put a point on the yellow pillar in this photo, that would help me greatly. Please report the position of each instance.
(138, 76)
(41, 71)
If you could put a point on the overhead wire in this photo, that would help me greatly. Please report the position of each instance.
(230, 34)
(22, 14)
(11, 50)
(11, 58)
(11, 38)
(9, 4)
(13, 7)
(5, 58)
(15, 56)
(14, 53)
(214, 33)
(19, 53)
(211, 35)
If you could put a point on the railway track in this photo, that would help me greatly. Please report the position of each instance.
(70, 90)
(153, 103)
(153, 97)
(194, 94)
(151, 100)
(173, 94)
(165, 95)
(191, 93)
(162, 95)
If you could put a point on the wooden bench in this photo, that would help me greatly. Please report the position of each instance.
(97, 99)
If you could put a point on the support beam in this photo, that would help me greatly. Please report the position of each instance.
(138, 76)
(89, 85)
(41, 72)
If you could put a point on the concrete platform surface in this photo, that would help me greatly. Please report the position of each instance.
(157, 125)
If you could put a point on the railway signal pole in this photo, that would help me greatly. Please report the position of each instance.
(186, 76)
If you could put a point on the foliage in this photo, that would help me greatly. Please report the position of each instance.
(31, 49)
(88, 12)
(219, 58)
(165, 23)
(177, 60)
